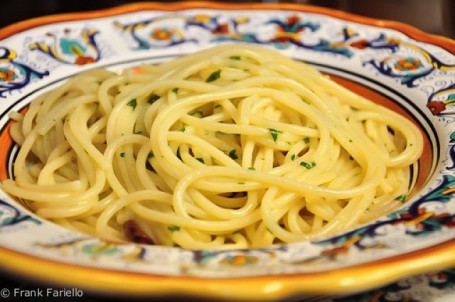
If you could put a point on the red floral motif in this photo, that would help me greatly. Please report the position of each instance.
(436, 107)
(7, 75)
(292, 20)
(408, 64)
(82, 60)
(222, 28)
(361, 44)
(289, 31)
(239, 260)
(162, 34)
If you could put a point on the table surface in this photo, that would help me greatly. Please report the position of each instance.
(430, 287)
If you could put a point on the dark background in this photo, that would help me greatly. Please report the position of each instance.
(433, 16)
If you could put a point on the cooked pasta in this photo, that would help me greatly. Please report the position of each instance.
(235, 146)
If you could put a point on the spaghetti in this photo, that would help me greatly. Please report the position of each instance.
(231, 147)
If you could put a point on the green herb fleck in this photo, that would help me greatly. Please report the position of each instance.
(309, 165)
(175, 90)
(306, 140)
(274, 133)
(150, 155)
(252, 168)
(173, 228)
(235, 58)
(122, 154)
(214, 76)
(153, 98)
(200, 159)
(402, 198)
(293, 157)
(183, 129)
(233, 154)
(132, 103)
(305, 100)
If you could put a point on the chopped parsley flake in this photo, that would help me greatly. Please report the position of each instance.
(214, 76)
(306, 140)
(305, 100)
(309, 165)
(293, 157)
(252, 168)
(132, 103)
(173, 228)
(274, 133)
(122, 154)
(233, 154)
(235, 58)
(402, 198)
(150, 155)
(175, 90)
(200, 159)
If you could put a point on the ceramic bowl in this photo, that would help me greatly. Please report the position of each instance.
(392, 63)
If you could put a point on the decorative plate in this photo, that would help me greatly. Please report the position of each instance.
(412, 71)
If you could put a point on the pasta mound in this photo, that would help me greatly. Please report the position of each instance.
(235, 146)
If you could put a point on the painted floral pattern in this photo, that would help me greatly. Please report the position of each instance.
(15, 75)
(68, 47)
(11, 216)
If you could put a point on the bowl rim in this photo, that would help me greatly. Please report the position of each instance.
(342, 280)
(348, 280)
(409, 30)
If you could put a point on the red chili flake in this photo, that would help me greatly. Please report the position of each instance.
(137, 70)
(134, 233)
